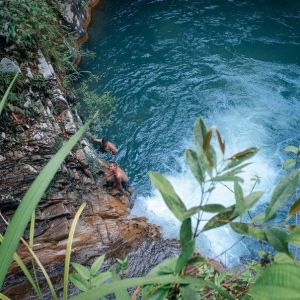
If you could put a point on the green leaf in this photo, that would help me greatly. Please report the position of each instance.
(121, 294)
(192, 161)
(277, 282)
(171, 199)
(5, 97)
(277, 239)
(190, 212)
(294, 209)
(246, 229)
(236, 170)
(100, 278)
(260, 218)
(79, 282)
(186, 253)
(29, 202)
(220, 219)
(23, 267)
(228, 178)
(283, 192)
(186, 233)
(240, 158)
(291, 148)
(206, 142)
(109, 288)
(283, 258)
(252, 199)
(68, 250)
(82, 270)
(165, 267)
(159, 294)
(290, 162)
(188, 292)
(97, 265)
(199, 134)
(221, 142)
(213, 208)
(3, 297)
(294, 236)
(239, 198)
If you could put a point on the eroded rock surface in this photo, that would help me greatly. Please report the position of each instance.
(105, 225)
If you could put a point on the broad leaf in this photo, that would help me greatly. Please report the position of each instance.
(283, 258)
(294, 236)
(277, 282)
(213, 208)
(246, 229)
(277, 239)
(159, 294)
(165, 267)
(97, 265)
(240, 157)
(188, 292)
(199, 134)
(260, 218)
(121, 294)
(170, 197)
(220, 219)
(252, 199)
(235, 171)
(79, 282)
(221, 142)
(100, 278)
(290, 162)
(283, 192)
(192, 161)
(228, 178)
(184, 256)
(291, 148)
(190, 212)
(293, 209)
(239, 199)
(186, 233)
(82, 270)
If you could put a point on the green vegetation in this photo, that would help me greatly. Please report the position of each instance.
(33, 25)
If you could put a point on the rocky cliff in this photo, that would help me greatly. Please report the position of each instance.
(35, 132)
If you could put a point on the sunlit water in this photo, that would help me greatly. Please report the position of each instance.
(235, 63)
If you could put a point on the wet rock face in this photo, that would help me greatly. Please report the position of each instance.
(77, 15)
(105, 225)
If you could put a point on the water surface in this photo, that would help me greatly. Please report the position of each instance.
(235, 63)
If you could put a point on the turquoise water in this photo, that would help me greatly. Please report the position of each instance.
(235, 63)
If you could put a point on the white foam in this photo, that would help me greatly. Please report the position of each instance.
(189, 191)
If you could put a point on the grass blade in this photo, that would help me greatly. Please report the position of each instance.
(109, 288)
(19, 261)
(29, 202)
(7, 92)
(68, 251)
